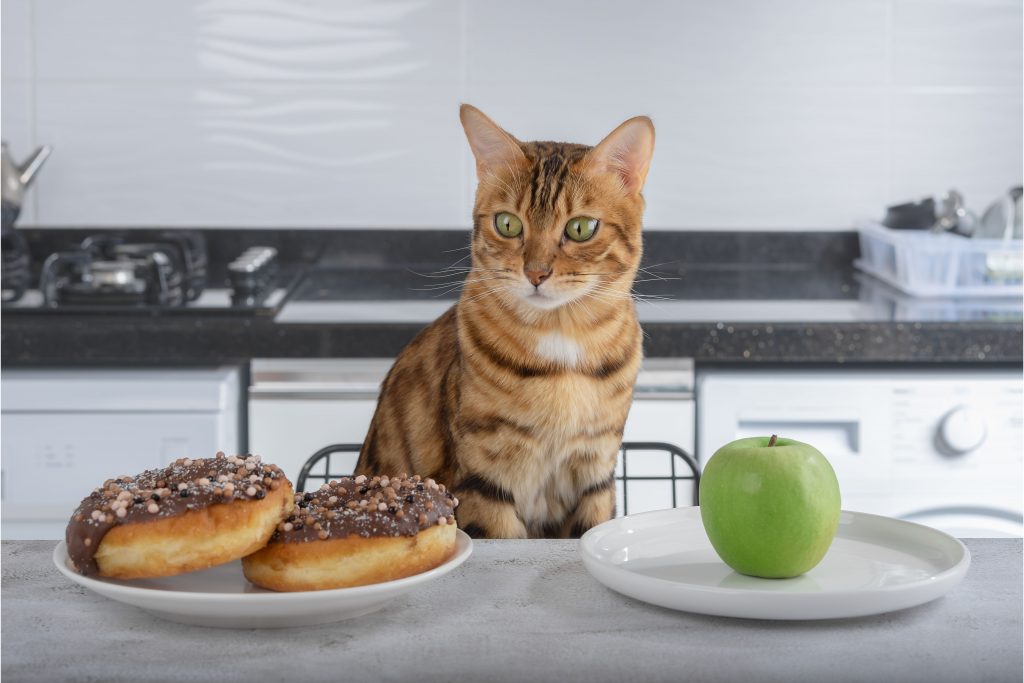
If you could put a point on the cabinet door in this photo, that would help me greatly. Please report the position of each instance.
(287, 431)
(670, 420)
(52, 461)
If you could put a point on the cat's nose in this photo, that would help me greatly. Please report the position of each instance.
(536, 273)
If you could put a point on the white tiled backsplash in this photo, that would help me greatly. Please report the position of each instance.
(329, 113)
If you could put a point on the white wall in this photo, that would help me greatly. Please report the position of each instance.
(328, 113)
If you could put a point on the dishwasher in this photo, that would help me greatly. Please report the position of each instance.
(67, 430)
(299, 406)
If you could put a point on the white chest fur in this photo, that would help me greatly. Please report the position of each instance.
(557, 347)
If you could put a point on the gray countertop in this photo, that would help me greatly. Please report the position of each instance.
(517, 610)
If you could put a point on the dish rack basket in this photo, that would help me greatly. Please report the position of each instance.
(928, 264)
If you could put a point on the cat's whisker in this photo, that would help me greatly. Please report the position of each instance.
(441, 290)
(663, 263)
(442, 273)
(438, 291)
(600, 286)
(434, 288)
(609, 295)
(470, 278)
(649, 277)
(606, 297)
(459, 271)
(646, 270)
(441, 294)
(461, 258)
(609, 272)
(485, 293)
(650, 303)
(453, 266)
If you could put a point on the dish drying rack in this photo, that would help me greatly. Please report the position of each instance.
(927, 264)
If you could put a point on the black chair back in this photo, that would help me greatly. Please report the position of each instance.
(682, 468)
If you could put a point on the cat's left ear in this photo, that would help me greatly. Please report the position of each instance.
(626, 153)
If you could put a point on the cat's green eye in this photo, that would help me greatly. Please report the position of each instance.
(581, 228)
(508, 225)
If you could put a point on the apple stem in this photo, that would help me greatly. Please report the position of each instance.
(771, 441)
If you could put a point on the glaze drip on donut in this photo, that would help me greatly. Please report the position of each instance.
(184, 485)
(381, 506)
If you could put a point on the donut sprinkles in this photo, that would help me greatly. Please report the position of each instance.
(381, 506)
(184, 485)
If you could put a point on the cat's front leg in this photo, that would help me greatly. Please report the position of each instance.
(594, 510)
(487, 510)
(596, 504)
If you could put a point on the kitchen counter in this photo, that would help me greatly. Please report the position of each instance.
(517, 610)
(751, 298)
(710, 331)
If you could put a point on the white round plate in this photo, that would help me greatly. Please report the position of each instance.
(875, 564)
(222, 597)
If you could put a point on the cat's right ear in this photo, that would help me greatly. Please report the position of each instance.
(494, 149)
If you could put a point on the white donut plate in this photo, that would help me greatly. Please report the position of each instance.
(222, 597)
(875, 565)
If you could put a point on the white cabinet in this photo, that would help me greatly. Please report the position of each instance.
(66, 431)
(661, 419)
(645, 477)
(298, 406)
(287, 431)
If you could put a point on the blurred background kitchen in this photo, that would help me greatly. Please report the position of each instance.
(222, 219)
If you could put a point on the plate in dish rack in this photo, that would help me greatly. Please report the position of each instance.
(875, 565)
(222, 597)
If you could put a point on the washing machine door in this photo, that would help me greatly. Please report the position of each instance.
(971, 522)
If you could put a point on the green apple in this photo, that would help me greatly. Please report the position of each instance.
(770, 506)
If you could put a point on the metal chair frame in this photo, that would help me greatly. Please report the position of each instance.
(675, 453)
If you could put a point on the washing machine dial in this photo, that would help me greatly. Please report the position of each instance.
(962, 430)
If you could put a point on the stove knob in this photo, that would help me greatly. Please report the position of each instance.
(962, 430)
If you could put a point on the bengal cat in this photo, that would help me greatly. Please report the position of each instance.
(516, 397)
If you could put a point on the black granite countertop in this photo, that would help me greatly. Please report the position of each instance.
(732, 298)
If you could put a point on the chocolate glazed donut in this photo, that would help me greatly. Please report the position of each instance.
(190, 515)
(353, 532)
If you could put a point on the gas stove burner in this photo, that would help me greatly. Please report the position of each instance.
(154, 272)
(107, 269)
(185, 250)
(140, 276)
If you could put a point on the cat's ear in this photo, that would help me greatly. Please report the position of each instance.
(494, 149)
(625, 153)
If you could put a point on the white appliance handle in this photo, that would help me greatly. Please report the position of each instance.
(835, 434)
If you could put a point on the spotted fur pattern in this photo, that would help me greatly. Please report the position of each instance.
(516, 397)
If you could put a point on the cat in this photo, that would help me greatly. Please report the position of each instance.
(516, 397)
